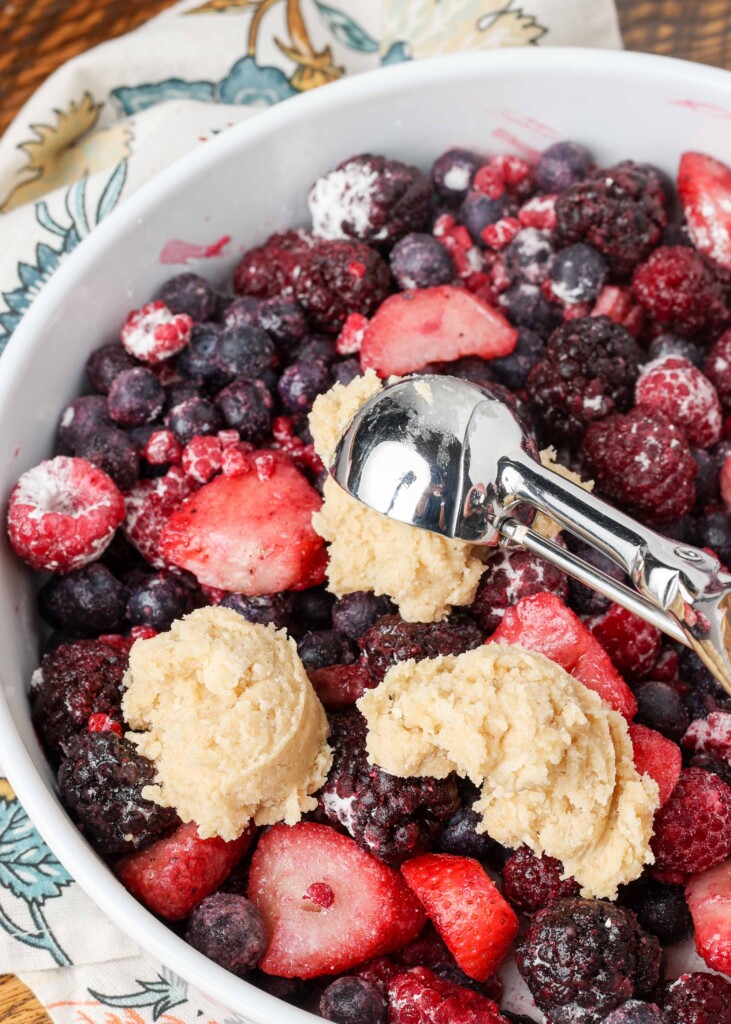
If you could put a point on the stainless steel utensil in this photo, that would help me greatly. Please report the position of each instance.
(448, 456)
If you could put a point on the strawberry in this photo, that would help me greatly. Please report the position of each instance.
(704, 185)
(657, 756)
(174, 874)
(439, 324)
(339, 686)
(543, 623)
(476, 923)
(252, 533)
(418, 996)
(709, 900)
(373, 911)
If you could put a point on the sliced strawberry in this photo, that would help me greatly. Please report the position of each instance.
(438, 324)
(339, 686)
(418, 996)
(251, 534)
(543, 623)
(704, 184)
(174, 874)
(657, 756)
(373, 911)
(709, 899)
(476, 923)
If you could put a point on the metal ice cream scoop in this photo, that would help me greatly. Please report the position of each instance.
(448, 456)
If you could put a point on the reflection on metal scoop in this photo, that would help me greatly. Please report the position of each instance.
(447, 456)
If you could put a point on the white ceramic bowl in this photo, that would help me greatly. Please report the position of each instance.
(246, 183)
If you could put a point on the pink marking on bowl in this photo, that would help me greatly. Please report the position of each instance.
(512, 140)
(178, 251)
(530, 124)
(723, 113)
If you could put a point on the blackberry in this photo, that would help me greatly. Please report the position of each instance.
(510, 576)
(660, 909)
(477, 211)
(158, 600)
(527, 306)
(532, 882)
(588, 370)
(245, 405)
(578, 273)
(696, 998)
(682, 291)
(618, 211)
(339, 278)
(391, 817)
(262, 610)
(562, 165)
(284, 321)
(105, 363)
(245, 352)
(354, 613)
(420, 261)
(301, 383)
(583, 958)
(90, 600)
(80, 420)
(113, 451)
(353, 1001)
(269, 270)
(135, 397)
(197, 360)
(229, 930)
(191, 294)
(660, 706)
(100, 781)
(391, 640)
(452, 173)
(529, 256)
(324, 647)
(193, 416)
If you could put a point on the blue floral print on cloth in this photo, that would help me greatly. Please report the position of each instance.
(100, 127)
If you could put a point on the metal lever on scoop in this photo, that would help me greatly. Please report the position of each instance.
(447, 456)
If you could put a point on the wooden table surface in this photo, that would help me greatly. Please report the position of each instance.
(37, 36)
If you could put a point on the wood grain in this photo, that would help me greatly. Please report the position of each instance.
(37, 37)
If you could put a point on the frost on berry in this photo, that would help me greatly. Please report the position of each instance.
(153, 334)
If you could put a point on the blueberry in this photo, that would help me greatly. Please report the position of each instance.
(512, 370)
(135, 397)
(420, 261)
(243, 312)
(583, 599)
(661, 707)
(354, 613)
(229, 930)
(301, 383)
(634, 1012)
(245, 352)
(527, 306)
(84, 416)
(191, 294)
(578, 273)
(262, 610)
(158, 600)
(460, 837)
(323, 647)
(89, 600)
(193, 416)
(478, 210)
(695, 673)
(312, 608)
(346, 371)
(561, 165)
(180, 391)
(245, 406)
(353, 1001)
(452, 173)
(105, 363)
(472, 368)
(284, 321)
(112, 450)
(706, 480)
(668, 345)
(315, 347)
(196, 361)
(528, 257)
(714, 531)
(661, 909)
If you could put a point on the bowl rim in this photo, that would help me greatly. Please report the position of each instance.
(52, 822)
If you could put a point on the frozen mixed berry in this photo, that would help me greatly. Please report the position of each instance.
(641, 461)
(104, 364)
(197, 362)
(578, 273)
(283, 320)
(322, 647)
(472, 368)
(562, 165)
(315, 346)
(353, 1001)
(634, 1012)
(75, 681)
(354, 613)
(420, 261)
(193, 416)
(688, 398)
(312, 608)
(529, 256)
(391, 640)
(192, 294)
(527, 306)
(632, 643)
(301, 383)
(682, 291)
(660, 909)
(393, 818)
(693, 829)
(671, 345)
(477, 211)
(583, 958)
(114, 452)
(100, 781)
(371, 199)
(714, 531)
(460, 837)
(582, 599)
(706, 480)
(346, 371)
(158, 600)
(340, 278)
(718, 368)
(452, 173)
(91, 600)
(229, 930)
(245, 352)
(154, 333)
(587, 371)
(420, 996)
(696, 998)
(82, 417)
(661, 707)
(710, 736)
(509, 576)
(244, 311)
(268, 271)
(135, 397)
(619, 212)
(263, 610)
(148, 506)
(245, 406)
(531, 882)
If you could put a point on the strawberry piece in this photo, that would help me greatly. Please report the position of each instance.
(149, 504)
(543, 623)
(709, 900)
(704, 185)
(339, 686)
(710, 735)
(373, 911)
(99, 722)
(251, 534)
(174, 874)
(657, 756)
(418, 996)
(438, 324)
(632, 643)
(476, 923)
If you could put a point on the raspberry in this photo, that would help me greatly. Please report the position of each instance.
(191, 294)
(718, 369)
(420, 997)
(62, 514)
(509, 576)
(632, 643)
(696, 998)
(679, 389)
(371, 199)
(163, 448)
(693, 829)
(588, 370)
(341, 278)
(539, 212)
(90, 600)
(75, 681)
(153, 333)
(532, 882)
(269, 270)
(392, 640)
(583, 958)
(681, 291)
(710, 736)
(641, 462)
(391, 817)
(619, 211)
(202, 458)
(101, 781)
(149, 505)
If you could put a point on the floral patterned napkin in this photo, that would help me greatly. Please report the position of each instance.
(100, 127)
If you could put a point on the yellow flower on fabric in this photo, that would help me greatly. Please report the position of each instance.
(6, 790)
